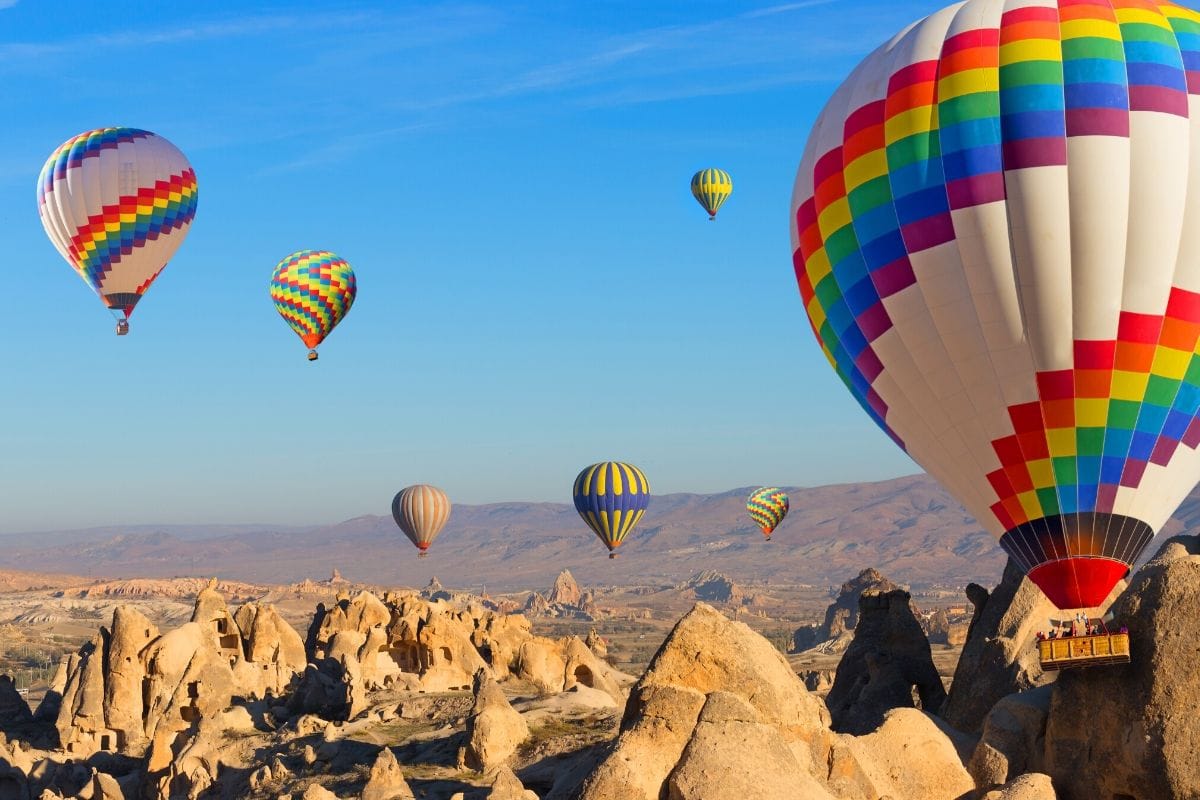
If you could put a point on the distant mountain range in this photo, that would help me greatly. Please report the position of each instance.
(909, 528)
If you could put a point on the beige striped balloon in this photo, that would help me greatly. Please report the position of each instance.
(421, 512)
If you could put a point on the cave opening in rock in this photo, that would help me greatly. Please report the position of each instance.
(583, 675)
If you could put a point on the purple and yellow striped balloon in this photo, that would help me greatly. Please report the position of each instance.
(611, 497)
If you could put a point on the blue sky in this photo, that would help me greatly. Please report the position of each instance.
(537, 288)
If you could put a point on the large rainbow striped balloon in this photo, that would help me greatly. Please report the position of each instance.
(313, 291)
(996, 226)
(611, 497)
(117, 203)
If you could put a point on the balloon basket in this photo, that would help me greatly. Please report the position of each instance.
(312, 355)
(612, 555)
(422, 554)
(122, 328)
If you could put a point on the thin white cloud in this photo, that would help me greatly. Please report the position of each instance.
(684, 41)
(637, 96)
(199, 31)
(7, 4)
(784, 8)
(343, 147)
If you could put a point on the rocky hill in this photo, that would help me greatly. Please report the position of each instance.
(395, 695)
(909, 528)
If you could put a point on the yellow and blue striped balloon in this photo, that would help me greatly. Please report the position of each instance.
(611, 497)
(768, 506)
(711, 188)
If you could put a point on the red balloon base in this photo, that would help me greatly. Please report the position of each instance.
(1080, 582)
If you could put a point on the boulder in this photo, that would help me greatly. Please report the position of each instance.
(1032, 786)
(733, 755)
(106, 787)
(999, 657)
(540, 663)
(888, 658)
(1130, 730)
(494, 728)
(706, 653)
(1013, 739)
(912, 755)
(507, 786)
(386, 781)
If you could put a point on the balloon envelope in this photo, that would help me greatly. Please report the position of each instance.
(768, 506)
(611, 497)
(711, 188)
(421, 512)
(117, 203)
(313, 291)
(996, 233)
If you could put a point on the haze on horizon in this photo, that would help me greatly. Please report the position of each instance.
(537, 288)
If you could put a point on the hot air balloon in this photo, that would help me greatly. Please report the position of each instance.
(117, 203)
(996, 232)
(611, 497)
(313, 291)
(421, 512)
(768, 506)
(711, 188)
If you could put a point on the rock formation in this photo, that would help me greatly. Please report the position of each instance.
(565, 599)
(558, 665)
(536, 605)
(565, 591)
(14, 711)
(888, 658)
(940, 628)
(1013, 738)
(494, 728)
(386, 781)
(1130, 731)
(842, 614)
(912, 755)
(719, 700)
(713, 587)
(507, 786)
(999, 657)
(1031, 786)
(130, 684)
(596, 643)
